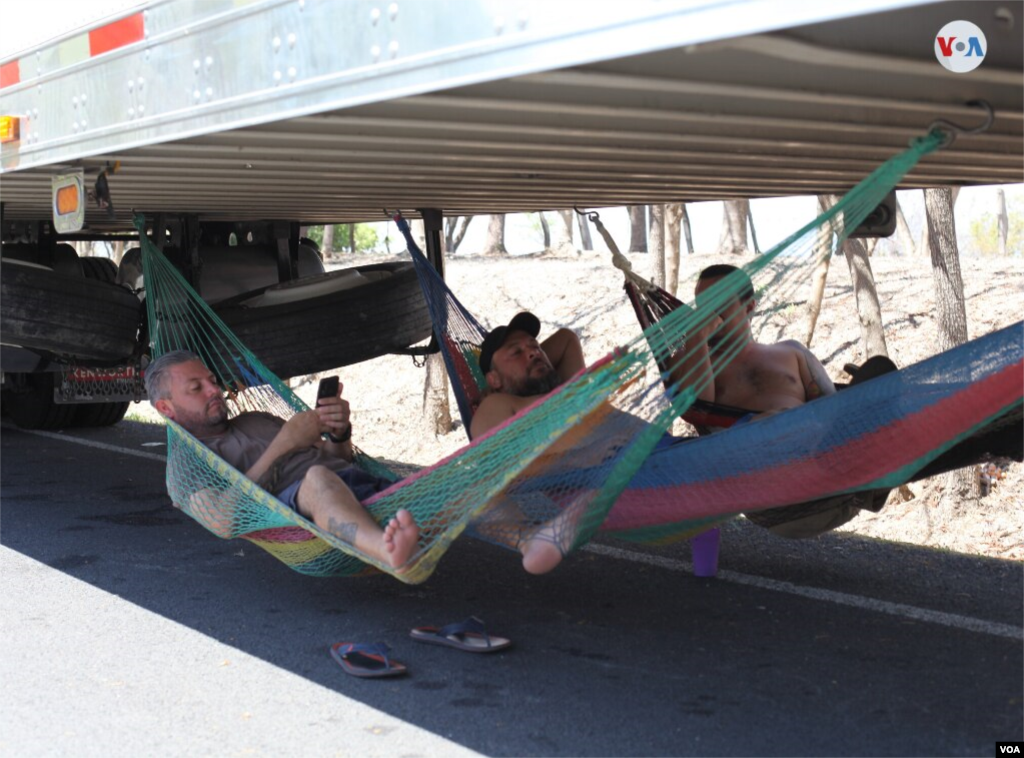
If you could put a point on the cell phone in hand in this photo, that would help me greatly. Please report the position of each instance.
(328, 388)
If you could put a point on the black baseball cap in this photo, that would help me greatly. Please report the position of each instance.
(521, 322)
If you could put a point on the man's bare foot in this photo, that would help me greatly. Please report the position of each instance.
(546, 547)
(401, 538)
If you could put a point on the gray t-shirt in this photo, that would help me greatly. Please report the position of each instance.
(249, 434)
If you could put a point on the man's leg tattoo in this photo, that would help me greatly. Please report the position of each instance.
(344, 529)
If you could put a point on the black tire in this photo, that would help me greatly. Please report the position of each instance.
(100, 269)
(82, 319)
(101, 414)
(339, 329)
(32, 405)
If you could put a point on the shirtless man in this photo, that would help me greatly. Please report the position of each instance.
(765, 379)
(761, 378)
(519, 370)
(288, 458)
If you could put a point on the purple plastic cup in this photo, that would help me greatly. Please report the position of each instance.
(705, 553)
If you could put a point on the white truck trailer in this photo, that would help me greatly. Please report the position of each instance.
(232, 124)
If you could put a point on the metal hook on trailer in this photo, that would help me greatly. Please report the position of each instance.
(592, 216)
(951, 130)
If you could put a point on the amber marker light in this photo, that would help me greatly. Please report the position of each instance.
(67, 195)
(67, 199)
(10, 129)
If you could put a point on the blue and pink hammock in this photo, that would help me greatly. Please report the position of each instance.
(842, 453)
(943, 413)
(593, 454)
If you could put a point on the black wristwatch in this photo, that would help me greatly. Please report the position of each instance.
(343, 438)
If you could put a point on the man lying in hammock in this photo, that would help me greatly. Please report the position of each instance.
(287, 458)
(761, 378)
(519, 369)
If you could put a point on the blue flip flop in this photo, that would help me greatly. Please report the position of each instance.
(469, 636)
(366, 661)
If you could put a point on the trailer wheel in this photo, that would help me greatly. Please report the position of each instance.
(100, 269)
(296, 335)
(101, 414)
(32, 407)
(70, 316)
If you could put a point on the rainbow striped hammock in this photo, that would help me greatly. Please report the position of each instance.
(471, 484)
(569, 458)
(943, 413)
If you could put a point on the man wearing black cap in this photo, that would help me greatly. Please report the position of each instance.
(518, 369)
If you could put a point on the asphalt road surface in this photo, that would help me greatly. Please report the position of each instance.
(128, 630)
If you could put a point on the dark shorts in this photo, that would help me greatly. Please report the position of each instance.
(363, 485)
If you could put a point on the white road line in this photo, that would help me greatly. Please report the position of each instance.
(99, 445)
(871, 604)
(840, 598)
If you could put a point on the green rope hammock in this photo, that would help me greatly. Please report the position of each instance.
(564, 462)
(442, 498)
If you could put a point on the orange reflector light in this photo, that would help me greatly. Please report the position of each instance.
(10, 129)
(67, 199)
(68, 193)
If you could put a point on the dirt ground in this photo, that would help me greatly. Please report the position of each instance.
(584, 292)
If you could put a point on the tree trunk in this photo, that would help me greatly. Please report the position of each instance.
(561, 237)
(436, 411)
(460, 233)
(656, 244)
(753, 232)
(820, 275)
(546, 230)
(949, 286)
(586, 241)
(733, 239)
(494, 243)
(872, 335)
(687, 231)
(327, 246)
(637, 229)
(960, 487)
(351, 238)
(454, 231)
(1002, 220)
(869, 310)
(437, 415)
(903, 236)
(449, 232)
(924, 246)
(673, 217)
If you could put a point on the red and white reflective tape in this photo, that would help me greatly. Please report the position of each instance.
(84, 46)
(10, 73)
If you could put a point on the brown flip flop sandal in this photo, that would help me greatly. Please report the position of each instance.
(366, 661)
